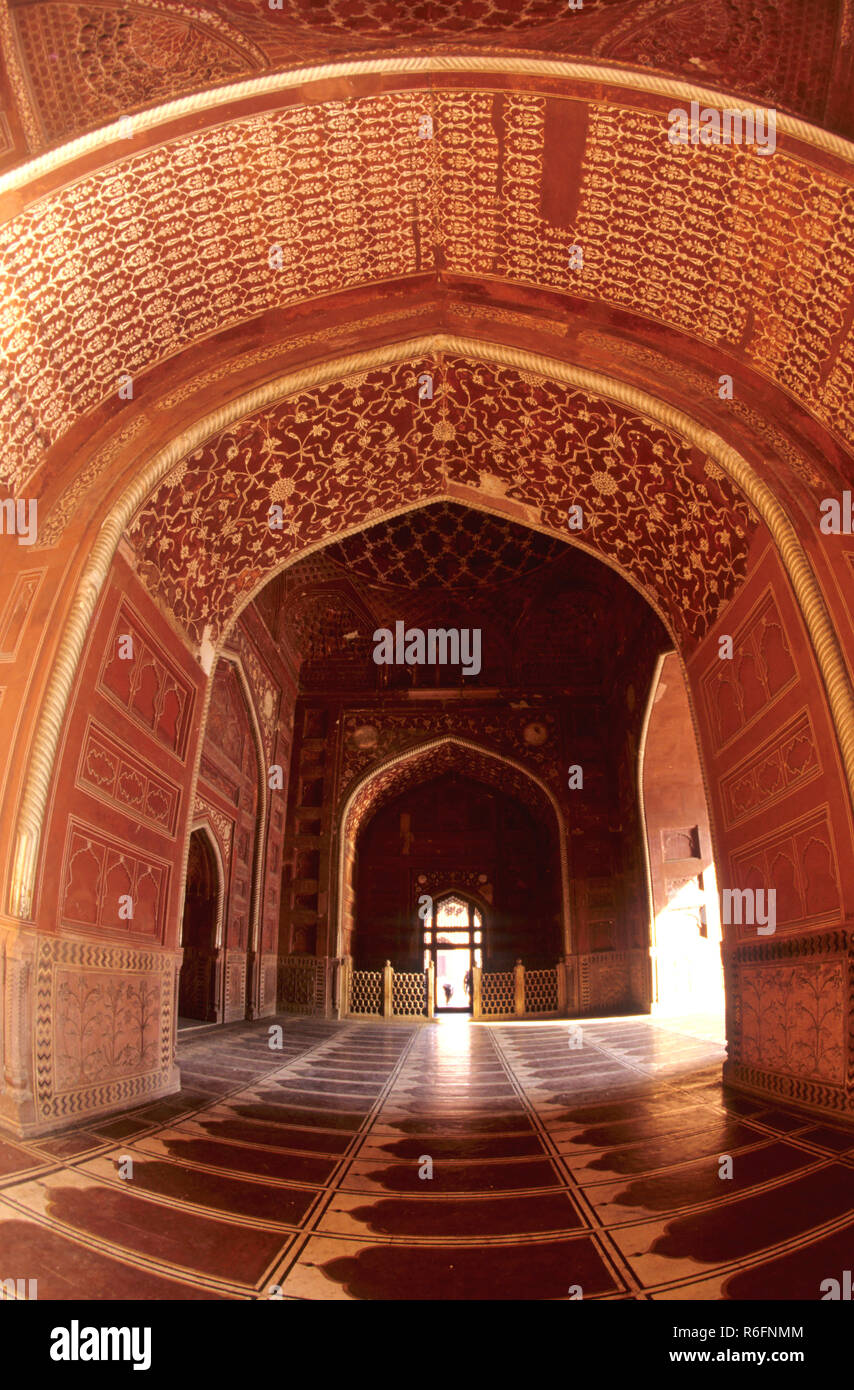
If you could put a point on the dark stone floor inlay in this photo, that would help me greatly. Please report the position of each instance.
(448, 1161)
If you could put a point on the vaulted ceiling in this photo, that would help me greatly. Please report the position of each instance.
(230, 301)
(343, 456)
(452, 567)
(71, 67)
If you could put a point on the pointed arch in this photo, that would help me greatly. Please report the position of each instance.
(201, 825)
(806, 591)
(483, 765)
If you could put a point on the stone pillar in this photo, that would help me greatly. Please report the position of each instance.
(253, 985)
(18, 1100)
(476, 975)
(345, 981)
(388, 988)
(519, 974)
(431, 989)
(568, 972)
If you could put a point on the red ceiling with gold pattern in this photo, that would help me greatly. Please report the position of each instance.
(345, 455)
(131, 268)
(75, 66)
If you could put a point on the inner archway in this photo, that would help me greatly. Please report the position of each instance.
(197, 992)
(228, 796)
(450, 855)
(685, 919)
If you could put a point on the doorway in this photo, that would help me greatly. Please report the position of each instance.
(453, 941)
(685, 936)
(197, 981)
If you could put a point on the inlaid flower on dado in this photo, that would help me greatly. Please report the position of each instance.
(106, 1026)
(792, 1019)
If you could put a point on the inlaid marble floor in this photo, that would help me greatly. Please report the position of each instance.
(299, 1173)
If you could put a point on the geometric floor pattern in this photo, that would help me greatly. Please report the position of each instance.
(557, 1171)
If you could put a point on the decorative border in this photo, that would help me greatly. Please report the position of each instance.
(148, 769)
(428, 64)
(772, 744)
(817, 816)
(754, 615)
(56, 951)
(127, 613)
(807, 593)
(126, 849)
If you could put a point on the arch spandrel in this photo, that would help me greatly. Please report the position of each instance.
(341, 456)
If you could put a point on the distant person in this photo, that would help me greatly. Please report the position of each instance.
(467, 983)
(449, 989)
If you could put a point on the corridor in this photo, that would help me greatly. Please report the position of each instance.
(558, 1171)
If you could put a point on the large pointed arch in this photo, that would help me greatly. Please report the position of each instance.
(807, 593)
(392, 773)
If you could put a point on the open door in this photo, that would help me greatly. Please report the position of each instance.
(453, 940)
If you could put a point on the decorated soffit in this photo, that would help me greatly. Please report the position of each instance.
(72, 67)
(451, 566)
(446, 547)
(350, 453)
(132, 265)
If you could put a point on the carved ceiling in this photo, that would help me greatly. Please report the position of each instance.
(550, 615)
(129, 267)
(75, 66)
(445, 546)
(344, 455)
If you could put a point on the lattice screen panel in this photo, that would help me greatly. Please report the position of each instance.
(366, 992)
(605, 980)
(498, 993)
(302, 984)
(409, 995)
(541, 991)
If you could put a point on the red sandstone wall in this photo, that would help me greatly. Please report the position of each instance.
(105, 982)
(96, 984)
(781, 820)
